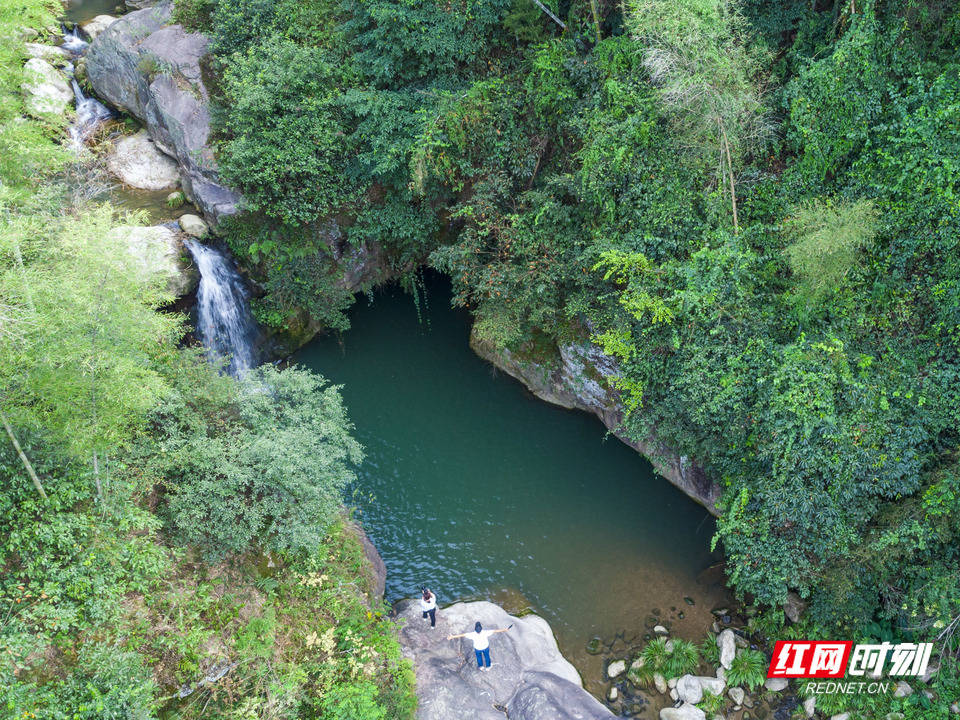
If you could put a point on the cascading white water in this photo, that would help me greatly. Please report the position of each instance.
(224, 322)
(90, 111)
(73, 43)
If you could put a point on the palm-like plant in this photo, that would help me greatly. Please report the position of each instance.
(747, 669)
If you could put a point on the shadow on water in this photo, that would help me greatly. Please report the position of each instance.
(477, 489)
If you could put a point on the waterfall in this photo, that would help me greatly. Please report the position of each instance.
(224, 322)
(73, 42)
(90, 113)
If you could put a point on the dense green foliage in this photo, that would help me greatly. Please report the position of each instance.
(751, 206)
(172, 540)
(266, 465)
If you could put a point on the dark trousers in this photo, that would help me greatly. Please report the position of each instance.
(433, 616)
(481, 656)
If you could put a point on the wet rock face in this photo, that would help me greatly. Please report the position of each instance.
(577, 380)
(528, 678)
(150, 69)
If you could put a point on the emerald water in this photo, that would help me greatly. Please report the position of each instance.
(479, 490)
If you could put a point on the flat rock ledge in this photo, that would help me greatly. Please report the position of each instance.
(529, 679)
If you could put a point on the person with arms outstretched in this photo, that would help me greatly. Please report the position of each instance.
(481, 642)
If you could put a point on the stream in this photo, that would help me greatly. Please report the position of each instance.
(479, 490)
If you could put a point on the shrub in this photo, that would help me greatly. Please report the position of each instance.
(683, 659)
(748, 669)
(262, 462)
(108, 684)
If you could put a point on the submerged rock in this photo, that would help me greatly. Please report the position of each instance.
(45, 89)
(529, 679)
(138, 162)
(615, 668)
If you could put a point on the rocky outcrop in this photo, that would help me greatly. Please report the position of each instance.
(45, 89)
(150, 69)
(138, 163)
(528, 679)
(159, 253)
(577, 378)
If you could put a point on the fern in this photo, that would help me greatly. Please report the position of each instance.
(747, 669)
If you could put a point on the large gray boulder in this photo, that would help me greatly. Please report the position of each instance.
(159, 256)
(529, 679)
(150, 69)
(138, 163)
(45, 89)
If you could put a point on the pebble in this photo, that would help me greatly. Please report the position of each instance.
(809, 706)
(661, 630)
(613, 694)
(689, 600)
(775, 684)
(660, 683)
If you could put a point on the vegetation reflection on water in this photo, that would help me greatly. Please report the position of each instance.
(477, 489)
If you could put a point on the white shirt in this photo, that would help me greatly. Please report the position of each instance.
(480, 641)
(430, 604)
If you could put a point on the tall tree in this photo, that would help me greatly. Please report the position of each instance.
(709, 78)
(78, 366)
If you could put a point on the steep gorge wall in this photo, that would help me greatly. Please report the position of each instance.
(577, 379)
